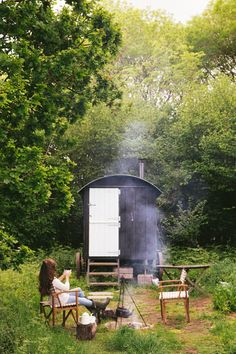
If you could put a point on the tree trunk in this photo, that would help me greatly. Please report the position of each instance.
(86, 332)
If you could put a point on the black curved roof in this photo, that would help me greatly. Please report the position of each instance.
(120, 181)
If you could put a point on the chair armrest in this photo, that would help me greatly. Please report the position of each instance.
(184, 286)
(65, 291)
(169, 281)
(55, 295)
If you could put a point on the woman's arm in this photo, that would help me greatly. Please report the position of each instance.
(57, 283)
(67, 273)
(62, 277)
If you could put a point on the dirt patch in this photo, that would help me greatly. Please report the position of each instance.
(145, 301)
(195, 337)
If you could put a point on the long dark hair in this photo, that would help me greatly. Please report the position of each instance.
(46, 276)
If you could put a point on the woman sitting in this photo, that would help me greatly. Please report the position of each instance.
(48, 283)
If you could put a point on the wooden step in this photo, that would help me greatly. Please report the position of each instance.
(100, 297)
(103, 263)
(104, 273)
(100, 293)
(108, 283)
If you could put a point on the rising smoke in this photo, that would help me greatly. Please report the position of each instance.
(135, 145)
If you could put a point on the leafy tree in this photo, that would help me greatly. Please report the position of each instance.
(12, 255)
(214, 34)
(51, 70)
(156, 64)
(189, 148)
(93, 142)
(198, 157)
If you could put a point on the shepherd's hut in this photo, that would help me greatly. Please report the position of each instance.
(120, 223)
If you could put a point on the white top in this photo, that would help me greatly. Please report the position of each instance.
(59, 286)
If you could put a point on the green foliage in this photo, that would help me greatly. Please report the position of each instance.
(156, 62)
(127, 340)
(190, 255)
(183, 228)
(196, 157)
(224, 297)
(23, 329)
(190, 149)
(223, 268)
(52, 67)
(12, 254)
(214, 34)
(209, 142)
(93, 143)
(220, 281)
(64, 256)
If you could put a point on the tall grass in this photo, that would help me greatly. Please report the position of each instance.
(127, 340)
(227, 334)
(22, 328)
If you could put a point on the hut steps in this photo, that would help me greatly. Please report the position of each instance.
(98, 273)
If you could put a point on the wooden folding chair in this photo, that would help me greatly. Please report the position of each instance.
(170, 290)
(51, 308)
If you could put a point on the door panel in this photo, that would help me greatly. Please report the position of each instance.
(104, 222)
(138, 236)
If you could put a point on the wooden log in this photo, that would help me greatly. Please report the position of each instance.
(86, 332)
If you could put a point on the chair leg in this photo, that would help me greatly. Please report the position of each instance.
(53, 317)
(186, 302)
(77, 316)
(47, 316)
(63, 318)
(163, 310)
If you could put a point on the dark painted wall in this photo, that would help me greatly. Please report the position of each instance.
(139, 237)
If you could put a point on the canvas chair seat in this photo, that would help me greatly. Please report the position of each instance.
(66, 305)
(173, 295)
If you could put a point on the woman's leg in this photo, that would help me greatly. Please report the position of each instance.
(81, 300)
(81, 293)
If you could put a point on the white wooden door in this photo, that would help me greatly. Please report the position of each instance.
(104, 222)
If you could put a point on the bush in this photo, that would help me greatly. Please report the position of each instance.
(190, 255)
(224, 297)
(222, 271)
(64, 256)
(183, 228)
(12, 254)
